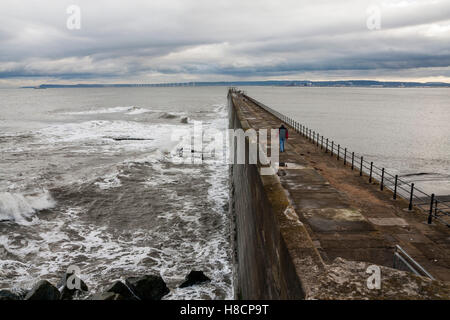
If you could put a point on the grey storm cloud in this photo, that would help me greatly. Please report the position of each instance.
(154, 40)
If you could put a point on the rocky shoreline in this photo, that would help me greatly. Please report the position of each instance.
(144, 287)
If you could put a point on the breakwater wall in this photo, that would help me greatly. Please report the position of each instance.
(267, 240)
(274, 255)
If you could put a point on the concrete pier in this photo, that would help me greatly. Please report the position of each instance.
(312, 230)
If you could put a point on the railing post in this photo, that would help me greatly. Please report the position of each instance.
(318, 139)
(371, 169)
(326, 148)
(345, 156)
(332, 148)
(430, 216)
(321, 144)
(382, 179)
(353, 160)
(310, 134)
(339, 149)
(411, 197)
(395, 187)
(360, 169)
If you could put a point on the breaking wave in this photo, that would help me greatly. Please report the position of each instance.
(20, 208)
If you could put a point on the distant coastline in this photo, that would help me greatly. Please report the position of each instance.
(277, 83)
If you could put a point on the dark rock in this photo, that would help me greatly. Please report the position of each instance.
(184, 120)
(108, 296)
(193, 278)
(6, 295)
(69, 294)
(43, 290)
(166, 115)
(120, 288)
(148, 287)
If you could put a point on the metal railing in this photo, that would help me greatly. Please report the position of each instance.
(430, 204)
(403, 261)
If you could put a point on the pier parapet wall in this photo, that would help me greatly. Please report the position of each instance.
(275, 256)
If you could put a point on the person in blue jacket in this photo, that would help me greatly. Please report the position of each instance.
(283, 133)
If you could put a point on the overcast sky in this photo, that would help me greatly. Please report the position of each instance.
(149, 41)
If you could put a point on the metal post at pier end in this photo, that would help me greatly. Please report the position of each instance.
(382, 179)
(339, 149)
(411, 197)
(360, 169)
(395, 187)
(430, 216)
(332, 148)
(345, 156)
(371, 169)
(353, 160)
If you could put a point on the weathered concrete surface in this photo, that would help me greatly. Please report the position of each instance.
(291, 227)
(347, 280)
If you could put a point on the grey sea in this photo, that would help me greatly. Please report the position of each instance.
(87, 177)
(405, 130)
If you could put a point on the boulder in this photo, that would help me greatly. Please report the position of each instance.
(184, 120)
(166, 115)
(43, 290)
(193, 278)
(148, 287)
(6, 295)
(120, 288)
(68, 294)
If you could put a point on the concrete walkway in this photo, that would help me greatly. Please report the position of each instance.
(346, 215)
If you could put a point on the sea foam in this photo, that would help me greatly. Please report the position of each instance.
(20, 208)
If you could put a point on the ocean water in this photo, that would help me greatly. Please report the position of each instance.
(87, 178)
(405, 130)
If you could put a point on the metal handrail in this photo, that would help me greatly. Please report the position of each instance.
(437, 207)
(410, 263)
